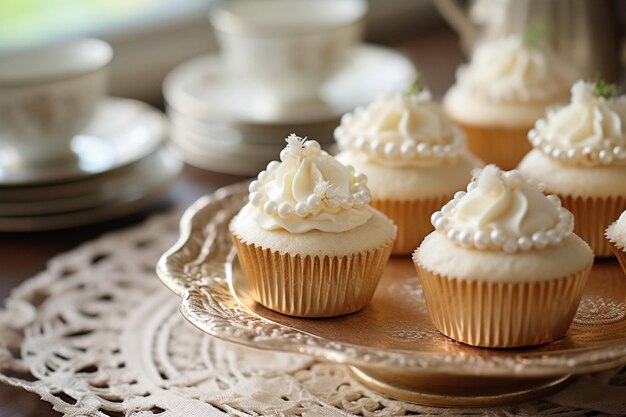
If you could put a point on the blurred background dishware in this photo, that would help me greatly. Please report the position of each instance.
(585, 33)
(69, 154)
(283, 66)
(47, 95)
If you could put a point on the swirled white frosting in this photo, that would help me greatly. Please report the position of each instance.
(588, 131)
(508, 71)
(309, 190)
(616, 232)
(503, 211)
(400, 130)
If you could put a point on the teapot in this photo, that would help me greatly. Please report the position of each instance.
(584, 33)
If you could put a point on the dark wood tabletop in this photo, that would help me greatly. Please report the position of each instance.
(434, 51)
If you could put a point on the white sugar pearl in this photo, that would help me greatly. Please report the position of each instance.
(313, 147)
(572, 155)
(361, 178)
(256, 199)
(346, 118)
(423, 149)
(459, 195)
(447, 209)
(284, 155)
(532, 134)
(442, 224)
(605, 156)
(378, 147)
(557, 154)
(435, 216)
(302, 209)
(254, 186)
(358, 143)
(471, 186)
(314, 202)
(510, 246)
(540, 240)
(338, 132)
(269, 208)
(346, 202)
(408, 151)
(525, 243)
(540, 124)
(437, 150)
(392, 151)
(273, 166)
(285, 210)
(453, 235)
(553, 236)
(263, 176)
(481, 239)
(497, 237)
(350, 169)
(547, 149)
(619, 152)
(465, 239)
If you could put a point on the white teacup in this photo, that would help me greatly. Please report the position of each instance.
(47, 96)
(287, 48)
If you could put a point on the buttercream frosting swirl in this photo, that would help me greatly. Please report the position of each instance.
(503, 211)
(309, 190)
(400, 130)
(507, 70)
(588, 131)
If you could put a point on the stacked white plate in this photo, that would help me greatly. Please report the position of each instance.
(219, 125)
(121, 165)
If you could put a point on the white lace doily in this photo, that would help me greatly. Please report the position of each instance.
(97, 334)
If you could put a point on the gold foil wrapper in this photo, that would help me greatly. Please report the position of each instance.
(502, 146)
(412, 218)
(592, 215)
(620, 254)
(311, 286)
(499, 314)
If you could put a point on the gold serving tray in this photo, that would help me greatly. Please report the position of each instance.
(391, 345)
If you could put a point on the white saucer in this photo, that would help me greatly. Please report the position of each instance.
(147, 181)
(201, 89)
(122, 131)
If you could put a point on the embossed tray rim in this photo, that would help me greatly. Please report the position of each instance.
(224, 317)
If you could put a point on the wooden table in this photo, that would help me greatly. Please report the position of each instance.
(435, 52)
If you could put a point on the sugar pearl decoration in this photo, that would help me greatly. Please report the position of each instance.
(604, 153)
(302, 209)
(256, 198)
(285, 210)
(269, 208)
(314, 202)
(498, 239)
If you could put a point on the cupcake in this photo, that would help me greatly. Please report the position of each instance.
(414, 157)
(500, 94)
(616, 234)
(503, 267)
(580, 155)
(308, 242)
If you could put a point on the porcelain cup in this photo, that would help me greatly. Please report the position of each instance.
(286, 49)
(47, 96)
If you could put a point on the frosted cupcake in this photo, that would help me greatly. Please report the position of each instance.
(500, 94)
(414, 157)
(580, 154)
(308, 242)
(503, 268)
(616, 234)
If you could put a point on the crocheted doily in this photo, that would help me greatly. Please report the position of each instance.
(97, 334)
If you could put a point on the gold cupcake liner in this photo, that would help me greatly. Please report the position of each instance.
(311, 286)
(412, 218)
(502, 315)
(620, 254)
(592, 215)
(502, 146)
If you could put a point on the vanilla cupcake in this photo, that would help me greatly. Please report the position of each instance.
(308, 242)
(500, 94)
(616, 234)
(580, 155)
(503, 268)
(414, 157)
